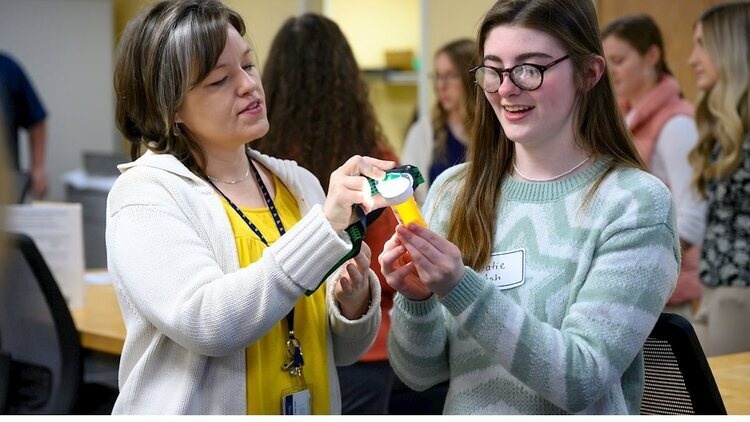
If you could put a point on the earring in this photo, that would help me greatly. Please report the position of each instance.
(176, 131)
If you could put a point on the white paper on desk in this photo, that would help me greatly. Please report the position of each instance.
(57, 230)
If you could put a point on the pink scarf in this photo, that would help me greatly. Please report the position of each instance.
(660, 105)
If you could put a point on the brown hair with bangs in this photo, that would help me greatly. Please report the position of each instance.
(161, 56)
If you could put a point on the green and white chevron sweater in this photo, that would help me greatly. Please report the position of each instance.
(560, 327)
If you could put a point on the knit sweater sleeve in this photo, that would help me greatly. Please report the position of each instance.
(174, 265)
(572, 366)
(575, 365)
(417, 342)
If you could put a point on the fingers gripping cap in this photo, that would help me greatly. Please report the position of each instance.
(412, 172)
(395, 188)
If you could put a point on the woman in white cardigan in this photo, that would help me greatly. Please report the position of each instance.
(212, 246)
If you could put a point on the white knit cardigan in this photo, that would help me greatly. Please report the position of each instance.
(189, 309)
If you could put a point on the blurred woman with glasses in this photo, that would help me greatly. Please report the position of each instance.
(551, 252)
(439, 142)
(664, 132)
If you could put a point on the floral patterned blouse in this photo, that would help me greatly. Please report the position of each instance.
(725, 260)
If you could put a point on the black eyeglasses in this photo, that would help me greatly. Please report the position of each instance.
(526, 76)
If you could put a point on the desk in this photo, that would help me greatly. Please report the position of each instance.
(99, 322)
(732, 375)
(101, 328)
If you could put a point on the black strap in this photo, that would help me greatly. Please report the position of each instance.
(356, 232)
(269, 204)
(254, 228)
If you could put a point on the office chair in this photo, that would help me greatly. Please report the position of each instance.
(41, 359)
(21, 186)
(678, 378)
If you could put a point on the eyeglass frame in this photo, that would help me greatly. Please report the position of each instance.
(509, 71)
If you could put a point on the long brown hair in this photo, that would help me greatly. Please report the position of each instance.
(318, 106)
(162, 55)
(600, 128)
(463, 54)
(723, 113)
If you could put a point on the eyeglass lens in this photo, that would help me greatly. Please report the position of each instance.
(523, 76)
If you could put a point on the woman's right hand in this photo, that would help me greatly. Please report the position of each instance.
(399, 270)
(348, 187)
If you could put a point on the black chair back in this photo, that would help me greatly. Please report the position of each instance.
(38, 339)
(678, 378)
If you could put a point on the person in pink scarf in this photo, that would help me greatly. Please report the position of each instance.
(664, 131)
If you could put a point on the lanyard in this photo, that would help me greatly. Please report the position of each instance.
(292, 343)
(356, 233)
(356, 230)
(269, 203)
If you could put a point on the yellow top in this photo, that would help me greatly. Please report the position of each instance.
(266, 382)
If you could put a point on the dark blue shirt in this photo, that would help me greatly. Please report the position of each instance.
(453, 153)
(19, 105)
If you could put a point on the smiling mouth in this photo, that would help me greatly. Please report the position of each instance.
(517, 109)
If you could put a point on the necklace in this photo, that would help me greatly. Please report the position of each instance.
(230, 182)
(549, 179)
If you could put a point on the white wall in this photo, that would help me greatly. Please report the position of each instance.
(65, 46)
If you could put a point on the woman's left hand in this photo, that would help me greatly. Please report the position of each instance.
(437, 261)
(352, 290)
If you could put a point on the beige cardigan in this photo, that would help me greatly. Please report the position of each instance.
(189, 309)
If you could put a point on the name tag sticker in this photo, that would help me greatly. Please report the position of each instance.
(505, 269)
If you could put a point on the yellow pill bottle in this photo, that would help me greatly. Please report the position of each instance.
(398, 192)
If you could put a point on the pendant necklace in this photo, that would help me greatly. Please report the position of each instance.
(553, 177)
(232, 182)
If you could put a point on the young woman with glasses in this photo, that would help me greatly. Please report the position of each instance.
(551, 252)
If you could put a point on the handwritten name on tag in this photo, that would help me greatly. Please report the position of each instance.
(505, 269)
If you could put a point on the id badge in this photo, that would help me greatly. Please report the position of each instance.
(296, 402)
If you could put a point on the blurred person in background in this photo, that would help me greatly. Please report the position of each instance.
(433, 144)
(320, 116)
(721, 164)
(21, 107)
(664, 132)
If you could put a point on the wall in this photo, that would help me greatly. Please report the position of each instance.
(373, 27)
(65, 47)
